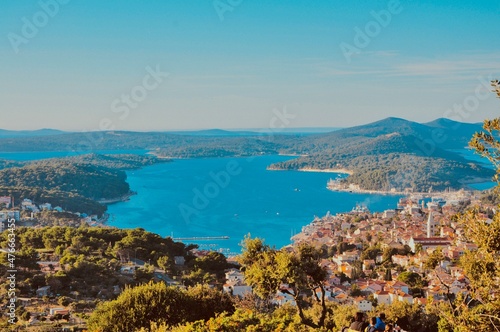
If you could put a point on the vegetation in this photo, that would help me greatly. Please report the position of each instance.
(89, 258)
(266, 270)
(74, 183)
(137, 307)
(391, 153)
(479, 308)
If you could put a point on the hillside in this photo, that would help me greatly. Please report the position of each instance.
(394, 153)
(374, 152)
(29, 133)
(74, 183)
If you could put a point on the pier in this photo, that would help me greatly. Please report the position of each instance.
(200, 238)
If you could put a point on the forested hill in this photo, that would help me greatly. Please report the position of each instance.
(441, 133)
(395, 153)
(167, 144)
(74, 183)
(376, 153)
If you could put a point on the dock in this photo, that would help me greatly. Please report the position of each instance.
(201, 238)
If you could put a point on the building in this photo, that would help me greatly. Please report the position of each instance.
(429, 242)
(389, 214)
(5, 215)
(46, 206)
(6, 201)
(431, 225)
(43, 291)
(363, 304)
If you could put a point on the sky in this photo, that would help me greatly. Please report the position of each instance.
(170, 65)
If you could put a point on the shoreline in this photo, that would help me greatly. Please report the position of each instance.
(120, 199)
(314, 170)
(371, 192)
(326, 170)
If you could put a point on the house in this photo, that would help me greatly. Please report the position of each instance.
(368, 264)
(6, 201)
(389, 214)
(341, 298)
(45, 206)
(405, 297)
(429, 242)
(383, 297)
(235, 283)
(43, 291)
(363, 304)
(60, 311)
(398, 286)
(179, 260)
(345, 226)
(6, 215)
(237, 289)
(400, 260)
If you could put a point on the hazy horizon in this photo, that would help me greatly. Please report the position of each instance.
(136, 66)
(262, 129)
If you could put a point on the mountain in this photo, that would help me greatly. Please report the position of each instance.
(215, 133)
(376, 152)
(394, 153)
(29, 133)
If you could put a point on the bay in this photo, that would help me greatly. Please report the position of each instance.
(269, 204)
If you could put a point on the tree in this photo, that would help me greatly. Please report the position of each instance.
(479, 308)
(434, 259)
(266, 270)
(388, 274)
(138, 307)
(166, 263)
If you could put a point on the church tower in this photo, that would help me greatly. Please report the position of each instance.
(430, 225)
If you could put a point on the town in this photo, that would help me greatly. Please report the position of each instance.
(405, 254)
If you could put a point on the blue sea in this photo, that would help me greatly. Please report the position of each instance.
(229, 197)
(232, 197)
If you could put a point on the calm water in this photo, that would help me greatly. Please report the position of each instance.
(268, 204)
(183, 199)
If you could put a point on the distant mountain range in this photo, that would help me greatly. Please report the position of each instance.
(390, 153)
(206, 132)
(29, 133)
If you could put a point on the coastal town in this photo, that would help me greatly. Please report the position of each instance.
(29, 213)
(406, 254)
(383, 257)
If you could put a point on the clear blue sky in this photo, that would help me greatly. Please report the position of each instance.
(233, 72)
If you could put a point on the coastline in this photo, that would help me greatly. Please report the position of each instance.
(326, 170)
(365, 191)
(120, 199)
(314, 170)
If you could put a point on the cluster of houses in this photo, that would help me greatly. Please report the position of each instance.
(416, 226)
(9, 211)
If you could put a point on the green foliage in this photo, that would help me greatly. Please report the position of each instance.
(246, 320)
(479, 308)
(412, 279)
(434, 259)
(94, 182)
(138, 307)
(73, 183)
(410, 317)
(267, 269)
(89, 256)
